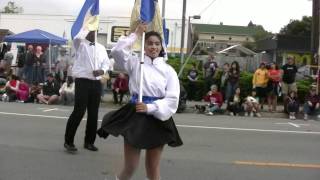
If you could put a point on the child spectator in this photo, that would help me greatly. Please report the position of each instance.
(23, 91)
(274, 75)
(311, 105)
(235, 103)
(252, 105)
(67, 91)
(34, 90)
(292, 105)
(214, 97)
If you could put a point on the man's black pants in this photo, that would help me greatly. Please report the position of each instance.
(87, 96)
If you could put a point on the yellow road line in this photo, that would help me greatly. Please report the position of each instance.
(273, 164)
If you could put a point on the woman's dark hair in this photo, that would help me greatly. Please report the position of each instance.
(69, 81)
(14, 77)
(226, 64)
(153, 33)
(277, 67)
(237, 66)
(35, 83)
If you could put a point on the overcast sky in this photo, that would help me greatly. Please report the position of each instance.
(271, 14)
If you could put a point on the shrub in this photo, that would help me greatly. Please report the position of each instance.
(303, 88)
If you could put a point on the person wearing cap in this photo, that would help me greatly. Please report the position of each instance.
(312, 103)
(91, 62)
(50, 91)
(260, 82)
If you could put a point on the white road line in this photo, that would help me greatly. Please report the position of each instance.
(183, 126)
(294, 124)
(47, 110)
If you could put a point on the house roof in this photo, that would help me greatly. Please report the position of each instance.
(225, 29)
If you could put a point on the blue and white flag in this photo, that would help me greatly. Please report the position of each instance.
(88, 18)
(147, 11)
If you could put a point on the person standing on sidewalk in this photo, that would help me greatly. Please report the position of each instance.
(28, 65)
(260, 82)
(289, 72)
(209, 69)
(87, 70)
(192, 79)
(274, 75)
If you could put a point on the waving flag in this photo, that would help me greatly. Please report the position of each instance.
(147, 11)
(88, 18)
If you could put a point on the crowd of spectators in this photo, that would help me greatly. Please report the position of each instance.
(269, 83)
(31, 81)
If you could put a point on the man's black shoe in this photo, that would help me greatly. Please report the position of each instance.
(90, 147)
(70, 147)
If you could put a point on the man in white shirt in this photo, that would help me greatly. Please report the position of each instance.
(90, 63)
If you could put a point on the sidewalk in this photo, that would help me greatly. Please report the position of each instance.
(107, 101)
(264, 112)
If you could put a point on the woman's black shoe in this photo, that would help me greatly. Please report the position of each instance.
(90, 147)
(70, 147)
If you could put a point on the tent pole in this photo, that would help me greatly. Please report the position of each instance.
(50, 57)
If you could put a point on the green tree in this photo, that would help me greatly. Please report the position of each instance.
(298, 27)
(11, 8)
(260, 34)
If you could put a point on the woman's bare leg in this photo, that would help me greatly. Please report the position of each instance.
(131, 162)
(153, 157)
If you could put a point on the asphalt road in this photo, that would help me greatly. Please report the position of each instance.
(215, 148)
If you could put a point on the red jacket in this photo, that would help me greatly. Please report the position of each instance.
(121, 83)
(214, 98)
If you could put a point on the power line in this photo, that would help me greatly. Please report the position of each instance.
(207, 7)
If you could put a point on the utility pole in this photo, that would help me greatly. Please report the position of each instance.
(182, 32)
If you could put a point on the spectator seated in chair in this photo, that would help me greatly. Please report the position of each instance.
(120, 88)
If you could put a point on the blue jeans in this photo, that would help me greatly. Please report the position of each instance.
(310, 110)
(214, 108)
(231, 88)
(28, 72)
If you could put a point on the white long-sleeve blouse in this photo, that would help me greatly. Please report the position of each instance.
(159, 79)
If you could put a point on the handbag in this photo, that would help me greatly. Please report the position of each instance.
(104, 78)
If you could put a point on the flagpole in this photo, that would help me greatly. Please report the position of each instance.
(141, 66)
(95, 49)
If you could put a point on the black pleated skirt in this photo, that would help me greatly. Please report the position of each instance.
(140, 130)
